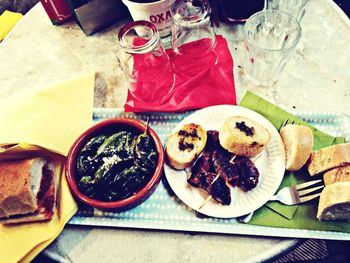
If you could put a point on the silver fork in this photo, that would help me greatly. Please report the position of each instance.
(297, 194)
(292, 195)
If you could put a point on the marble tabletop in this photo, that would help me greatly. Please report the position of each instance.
(317, 79)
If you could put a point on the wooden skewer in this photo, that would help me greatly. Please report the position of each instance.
(205, 201)
(233, 158)
(217, 176)
(210, 196)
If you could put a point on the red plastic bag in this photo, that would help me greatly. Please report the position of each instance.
(200, 85)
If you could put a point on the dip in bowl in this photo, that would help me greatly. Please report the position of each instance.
(115, 165)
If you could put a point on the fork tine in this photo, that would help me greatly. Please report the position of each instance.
(307, 184)
(308, 198)
(285, 123)
(308, 191)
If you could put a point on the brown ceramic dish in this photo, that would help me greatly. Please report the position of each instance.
(101, 128)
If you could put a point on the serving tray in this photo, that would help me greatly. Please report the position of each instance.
(164, 211)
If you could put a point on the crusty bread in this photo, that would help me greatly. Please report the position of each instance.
(19, 185)
(329, 158)
(47, 202)
(334, 202)
(32, 217)
(184, 146)
(243, 136)
(298, 142)
(339, 174)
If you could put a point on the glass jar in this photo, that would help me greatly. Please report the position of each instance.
(191, 22)
(192, 37)
(145, 63)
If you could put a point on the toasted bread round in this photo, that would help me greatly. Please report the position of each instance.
(184, 146)
(243, 136)
(298, 142)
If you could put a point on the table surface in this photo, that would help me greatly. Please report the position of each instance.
(316, 79)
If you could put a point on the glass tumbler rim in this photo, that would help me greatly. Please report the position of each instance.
(276, 12)
(190, 21)
(139, 49)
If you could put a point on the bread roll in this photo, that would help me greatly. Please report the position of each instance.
(334, 202)
(340, 174)
(184, 146)
(328, 158)
(243, 136)
(298, 142)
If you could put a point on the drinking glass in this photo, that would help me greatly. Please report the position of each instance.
(146, 64)
(192, 36)
(293, 7)
(270, 37)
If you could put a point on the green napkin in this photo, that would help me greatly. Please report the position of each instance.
(301, 216)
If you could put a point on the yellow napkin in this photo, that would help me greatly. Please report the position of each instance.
(51, 118)
(7, 21)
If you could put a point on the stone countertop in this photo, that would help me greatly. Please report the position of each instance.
(36, 53)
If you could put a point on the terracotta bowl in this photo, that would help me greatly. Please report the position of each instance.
(106, 127)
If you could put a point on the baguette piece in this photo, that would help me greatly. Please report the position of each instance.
(334, 202)
(27, 190)
(19, 185)
(328, 158)
(184, 146)
(243, 136)
(298, 142)
(340, 174)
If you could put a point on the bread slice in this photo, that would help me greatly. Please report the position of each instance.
(19, 185)
(184, 146)
(334, 202)
(340, 174)
(243, 136)
(298, 142)
(46, 199)
(328, 158)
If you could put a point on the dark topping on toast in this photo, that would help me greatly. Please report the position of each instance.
(183, 145)
(193, 133)
(249, 131)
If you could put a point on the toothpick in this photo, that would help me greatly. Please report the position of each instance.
(205, 201)
(233, 158)
(210, 196)
(254, 159)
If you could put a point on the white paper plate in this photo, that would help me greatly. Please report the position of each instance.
(271, 166)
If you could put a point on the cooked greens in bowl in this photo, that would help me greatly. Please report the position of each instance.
(115, 167)
(115, 161)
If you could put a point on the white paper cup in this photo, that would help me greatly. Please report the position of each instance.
(157, 12)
